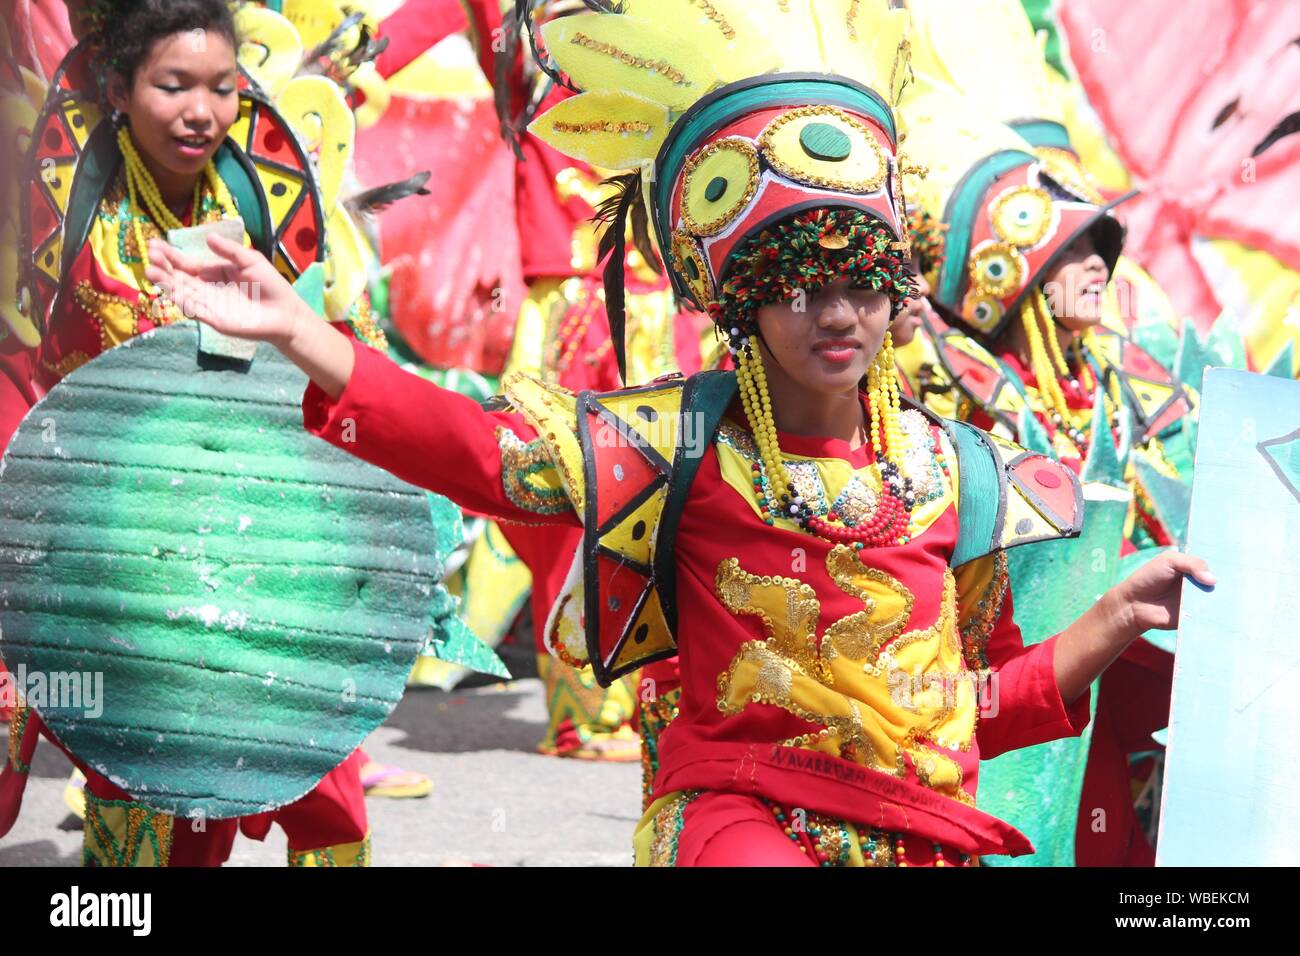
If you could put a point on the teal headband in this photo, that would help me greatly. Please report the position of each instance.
(1042, 132)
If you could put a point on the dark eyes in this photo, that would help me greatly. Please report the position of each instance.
(220, 90)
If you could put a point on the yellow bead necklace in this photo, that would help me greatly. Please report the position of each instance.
(773, 486)
(141, 185)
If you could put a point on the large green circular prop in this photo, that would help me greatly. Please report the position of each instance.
(253, 598)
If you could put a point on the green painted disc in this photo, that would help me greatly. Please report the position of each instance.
(251, 598)
(716, 189)
(825, 142)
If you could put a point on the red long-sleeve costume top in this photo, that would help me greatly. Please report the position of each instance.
(848, 688)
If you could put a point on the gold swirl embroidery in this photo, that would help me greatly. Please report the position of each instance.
(859, 637)
(856, 707)
(793, 636)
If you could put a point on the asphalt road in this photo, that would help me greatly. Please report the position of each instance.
(495, 800)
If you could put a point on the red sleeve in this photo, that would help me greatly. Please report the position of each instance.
(417, 26)
(1023, 705)
(17, 392)
(425, 435)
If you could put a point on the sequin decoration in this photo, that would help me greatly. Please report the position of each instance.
(121, 833)
(529, 476)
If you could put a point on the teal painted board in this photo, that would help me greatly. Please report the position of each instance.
(252, 598)
(1230, 788)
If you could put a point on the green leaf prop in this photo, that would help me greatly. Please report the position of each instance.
(253, 597)
(1052, 583)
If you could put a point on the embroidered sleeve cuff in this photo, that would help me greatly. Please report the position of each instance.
(1028, 708)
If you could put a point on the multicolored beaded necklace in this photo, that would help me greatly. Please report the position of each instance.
(890, 524)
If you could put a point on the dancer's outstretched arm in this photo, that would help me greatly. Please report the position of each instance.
(492, 463)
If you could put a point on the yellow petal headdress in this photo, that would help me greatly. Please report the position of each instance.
(736, 113)
(1005, 219)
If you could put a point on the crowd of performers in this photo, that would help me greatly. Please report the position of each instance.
(821, 313)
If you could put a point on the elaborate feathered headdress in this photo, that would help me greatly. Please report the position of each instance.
(734, 115)
(1002, 185)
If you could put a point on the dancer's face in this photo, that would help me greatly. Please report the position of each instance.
(909, 319)
(1076, 284)
(181, 102)
(827, 342)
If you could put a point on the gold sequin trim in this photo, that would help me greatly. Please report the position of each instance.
(603, 126)
(714, 226)
(666, 70)
(976, 630)
(341, 855)
(66, 365)
(716, 16)
(668, 825)
(850, 19)
(864, 186)
(521, 465)
(123, 833)
(361, 319)
(17, 726)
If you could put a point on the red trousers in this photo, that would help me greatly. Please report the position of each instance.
(1133, 703)
(333, 813)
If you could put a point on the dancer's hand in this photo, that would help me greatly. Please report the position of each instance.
(240, 294)
(1149, 599)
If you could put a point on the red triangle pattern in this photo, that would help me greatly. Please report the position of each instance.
(622, 471)
(299, 237)
(44, 219)
(271, 140)
(55, 142)
(621, 587)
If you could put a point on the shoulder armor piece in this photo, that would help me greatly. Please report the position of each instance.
(977, 374)
(1155, 395)
(641, 449)
(1008, 496)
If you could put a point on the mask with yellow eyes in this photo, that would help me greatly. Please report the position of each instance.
(1021, 226)
(747, 158)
